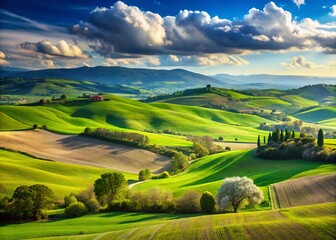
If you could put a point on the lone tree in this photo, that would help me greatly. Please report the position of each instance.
(236, 192)
(208, 202)
(30, 202)
(109, 186)
(320, 138)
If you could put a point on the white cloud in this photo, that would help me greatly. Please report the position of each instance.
(3, 57)
(298, 3)
(124, 29)
(333, 11)
(48, 63)
(62, 48)
(219, 59)
(141, 61)
(300, 62)
(173, 58)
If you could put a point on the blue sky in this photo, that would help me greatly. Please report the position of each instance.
(296, 37)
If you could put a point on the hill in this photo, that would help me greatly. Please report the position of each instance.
(18, 169)
(309, 222)
(253, 100)
(149, 79)
(55, 86)
(318, 114)
(125, 114)
(84, 151)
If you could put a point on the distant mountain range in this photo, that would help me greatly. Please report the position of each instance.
(164, 81)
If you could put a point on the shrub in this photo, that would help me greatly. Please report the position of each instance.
(75, 210)
(44, 127)
(227, 148)
(92, 205)
(208, 202)
(164, 174)
(189, 202)
(179, 162)
(200, 150)
(145, 174)
(35, 126)
(68, 200)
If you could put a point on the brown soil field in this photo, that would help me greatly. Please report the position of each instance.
(236, 146)
(80, 150)
(306, 191)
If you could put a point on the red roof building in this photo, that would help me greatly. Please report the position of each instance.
(97, 98)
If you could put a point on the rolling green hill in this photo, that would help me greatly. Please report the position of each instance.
(207, 173)
(17, 169)
(327, 115)
(125, 114)
(309, 222)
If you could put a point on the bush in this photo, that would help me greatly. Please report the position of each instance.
(75, 210)
(68, 200)
(189, 202)
(179, 162)
(227, 148)
(208, 202)
(35, 126)
(164, 174)
(44, 127)
(92, 205)
(145, 174)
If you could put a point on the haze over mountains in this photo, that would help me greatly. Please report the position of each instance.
(165, 80)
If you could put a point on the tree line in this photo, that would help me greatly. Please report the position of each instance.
(110, 193)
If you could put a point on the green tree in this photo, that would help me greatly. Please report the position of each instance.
(269, 138)
(30, 202)
(282, 137)
(320, 138)
(264, 140)
(208, 202)
(258, 141)
(35, 126)
(75, 210)
(293, 134)
(287, 135)
(88, 131)
(189, 202)
(63, 97)
(179, 162)
(109, 186)
(145, 174)
(277, 135)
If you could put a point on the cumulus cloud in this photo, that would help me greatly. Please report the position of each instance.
(62, 48)
(144, 61)
(48, 63)
(298, 3)
(3, 57)
(299, 62)
(123, 29)
(333, 11)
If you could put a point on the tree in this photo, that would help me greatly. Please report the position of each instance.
(179, 162)
(277, 135)
(282, 137)
(208, 202)
(235, 192)
(208, 86)
(220, 139)
(75, 210)
(293, 134)
(29, 202)
(320, 138)
(258, 141)
(269, 139)
(145, 174)
(63, 97)
(200, 150)
(35, 126)
(109, 186)
(287, 135)
(88, 131)
(264, 140)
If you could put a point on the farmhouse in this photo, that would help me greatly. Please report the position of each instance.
(97, 98)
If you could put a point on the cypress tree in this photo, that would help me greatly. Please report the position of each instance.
(320, 138)
(277, 135)
(264, 140)
(287, 135)
(282, 138)
(258, 141)
(293, 134)
(269, 138)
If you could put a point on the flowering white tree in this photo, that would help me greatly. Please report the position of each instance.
(235, 192)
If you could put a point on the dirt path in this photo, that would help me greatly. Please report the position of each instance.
(83, 151)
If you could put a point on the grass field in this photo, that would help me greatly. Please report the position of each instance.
(206, 174)
(85, 151)
(309, 222)
(17, 169)
(299, 101)
(125, 114)
(306, 191)
(319, 114)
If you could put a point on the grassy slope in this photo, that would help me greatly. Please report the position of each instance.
(17, 169)
(121, 113)
(7, 123)
(310, 222)
(327, 114)
(299, 101)
(206, 174)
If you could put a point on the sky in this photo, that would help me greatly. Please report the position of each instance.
(239, 37)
